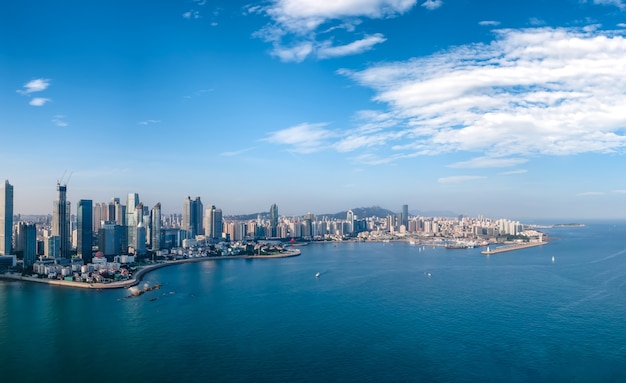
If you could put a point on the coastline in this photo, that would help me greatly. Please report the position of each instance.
(141, 272)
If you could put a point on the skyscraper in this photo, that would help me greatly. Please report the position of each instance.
(84, 221)
(273, 220)
(350, 219)
(26, 242)
(61, 221)
(155, 227)
(6, 218)
(131, 221)
(192, 216)
(213, 227)
(405, 217)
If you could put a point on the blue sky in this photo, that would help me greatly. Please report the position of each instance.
(507, 109)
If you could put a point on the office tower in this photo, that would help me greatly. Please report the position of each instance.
(26, 242)
(155, 227)
(192, 216)
(350, 219)
(96, 217)
(61, 221)
(6, 218)
(131, 221)
(405, 217)
(273, 220)
(138, 231)
(213, 226)
(120, 213)
(110, 238)
(84, 220)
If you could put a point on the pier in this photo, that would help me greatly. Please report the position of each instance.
(513, 247)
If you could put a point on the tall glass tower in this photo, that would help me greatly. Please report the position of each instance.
(6, 218)
(273, 220)
(61, 221)
(84, 221)
(155, 227)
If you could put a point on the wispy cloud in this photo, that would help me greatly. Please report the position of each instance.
(297, 25)
(432, 4)
(59, 120)
(622, 191)
(355, 47)
(191, 14)
(512, 172)
(489, 23)
(536, 91)
(457, 179)
(590, 193)
(237, 152)
(36, 85)
(39, 101)
(149, 122)
(621, 25)
(489, 162)
(303, 138)
(617, 3)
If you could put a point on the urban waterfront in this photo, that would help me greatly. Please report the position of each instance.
(378, 312)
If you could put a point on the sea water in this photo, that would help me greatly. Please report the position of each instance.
(378, 312)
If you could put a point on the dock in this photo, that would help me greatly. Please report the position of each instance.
(513, 247)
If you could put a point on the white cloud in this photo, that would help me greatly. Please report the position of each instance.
(456, 179)
(303, 138)
(537, 91)
(621, 25)
(58, 120)
(296, 24)
(355, 47)
(191, 14)
(149, 122)
(432, 4)
(39, 101)
(489, 162)
(622, 191)
(618, 3)
(489, 23)
(590, 193)
(36, 85)
(519, 171)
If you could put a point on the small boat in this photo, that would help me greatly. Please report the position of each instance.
(553, 259)
(317, 274)
(429, 275)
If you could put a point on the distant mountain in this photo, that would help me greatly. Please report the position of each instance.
(248, 217)
(362, 212)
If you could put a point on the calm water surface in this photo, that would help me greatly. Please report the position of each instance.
(374, 314)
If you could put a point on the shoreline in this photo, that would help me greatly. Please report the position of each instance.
(136, 279)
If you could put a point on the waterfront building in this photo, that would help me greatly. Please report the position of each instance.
(52, 246)
(404, 217)
(61, 221)
(193, 211)
(6, 218)
(131, 218)
(213, 227)
(26, 242)
(155, 227)
(273, 220)
(110, 238)
(84, 220)
(350, 220)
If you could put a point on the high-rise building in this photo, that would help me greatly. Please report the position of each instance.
(405, 217)
(350, 219)
(155, 227)
(61, 221)
(131, 217)
(213, 227)
(273, 220)
(192, 216)
(84, 221)
(6, 218)
(26, 242)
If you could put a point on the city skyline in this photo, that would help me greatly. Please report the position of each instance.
(504, 109)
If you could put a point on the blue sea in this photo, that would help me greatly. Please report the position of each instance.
(378, 312)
